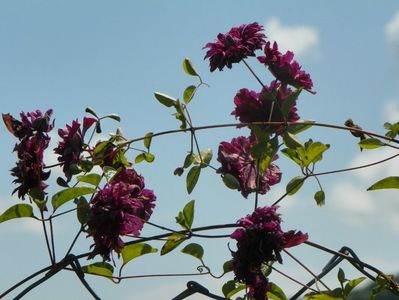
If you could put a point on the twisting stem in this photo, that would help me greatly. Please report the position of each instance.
(253, 73)
(47, 239)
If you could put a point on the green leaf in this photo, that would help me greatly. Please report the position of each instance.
(99, 268)
(371, 143)
(194, 249)
(68, 194)
(82, 210)
(114, 117)
(179, 115)
(186, 217)
(86, 165)
(335, 294)
(61, 182)
(149, 157)
(231, 182)
(297, 128)
(139, 158)
(275, 292)
(341, 275)
(228, 266)
(230, 288)
(192, 178)
(320, 197)
(165, 99)
(293, 155)
(109, 173)
(312, 152)
(91, 111)
(391, 182)
(189, 68)
(289, 102)
(133, 251)
(295, 184)
(291, 141)
(174, 240)
(352, 284)
(188, 160)
(92, 178)
(147, 140)
(189, 93)
(17, 211)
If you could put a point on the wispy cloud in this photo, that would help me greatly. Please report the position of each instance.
(390, 112)
(392, 32)
(301, 39)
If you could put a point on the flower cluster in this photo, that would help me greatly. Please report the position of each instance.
(71, 146)
(236, 159)
(232, 47)
(121, 208)
(32, 133)
(260, 240)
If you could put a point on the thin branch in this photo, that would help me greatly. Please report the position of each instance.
(46, 238)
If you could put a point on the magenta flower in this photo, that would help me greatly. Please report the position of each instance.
(71, 146)
(121, 208)
(232, 47)
(31, 131)
(260, 240)
(256, 107)
(285, 68)
(236, 160)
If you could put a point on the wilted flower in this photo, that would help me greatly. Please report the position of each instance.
(237, 160)
(232, 47)
(121, 208)
(251, 106)
(31, 131)
(260, 241)
(71, 146)
(285, 68)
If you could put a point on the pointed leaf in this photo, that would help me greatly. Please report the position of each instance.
(341, 275)
(228, 266)
(91, 111)
(139, 158)
(92, 178)
(230, 288)
(230, 181)
(192, 178)
(69, 194)
(291, 141)
(352, 284)
(99, 268)
(109, 173)
(188, 213)
(297, 128)
(320, 197)
(133, 251)
(295, 184)
(371, 143)
(149, 157)
(147, 140)
(275, 292)
(188, 160)
(293, 155)
(114, 117)
(189, 68)
(391, 182)
(174, 240)
(189, 93)
(82, 210)
(165, 99)
(194, 249)
(61, 182)
(17, 211)
(289, 102)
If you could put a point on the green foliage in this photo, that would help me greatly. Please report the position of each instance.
(228, 266)
(276, 293)
(69, 194)
(173, 241)
(82, 210)
(91, 111)
(93, 179)
(298, 128)
(371, 143)
(164, 99)
(113, 117)
(194, 250)
(393, 129)
(17, 211)
(291, 141)
(192, 178)
(189, 68)
(289, 102)
(109, 173)
(294, 185)
(189, 93)
(230, 181)
(147, 140)
(145, 156)
(231, 287)
(99, 268)
(130, 252)
(391, 182)
(186, 217)
(320, 198)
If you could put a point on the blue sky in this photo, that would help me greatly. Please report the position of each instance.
(112, 56)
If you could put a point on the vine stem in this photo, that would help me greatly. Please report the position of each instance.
(47, 239)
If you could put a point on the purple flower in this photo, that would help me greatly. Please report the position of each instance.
(31, 132)
(121, 208)
(236, 160)
(71, 146)
(256, 107)
(285, 68)
(232, 47)
(260, 240)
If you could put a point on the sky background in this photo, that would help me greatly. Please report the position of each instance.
(112, 56)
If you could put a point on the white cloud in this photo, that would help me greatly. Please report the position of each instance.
(392, 32)
(390, 111)
(301, 39)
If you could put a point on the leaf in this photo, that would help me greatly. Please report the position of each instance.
(189, 68)
(341, 275)
(294, 185)
(149, 157)
(82, 210)
(192, 178)
(139, 158)
(228, 266)
(186, 217)
(291, 141)
(147, 140)
(275, 292)
(179, 115)
(371, 143)
(165, 99)
(92, 178)
(133, 251)
(293, 155)
(99, 268)
(189, 93)
(289, 102)
(174, 240)
(391, 182)
(61, 182)
(91, 111)
(109, 173)
(230, 288)
(194, 249)
(352, 284)
(114, 117)
(230, 181)
(312, 152)
(335, 294)
(17, 211)
(297, 128)
(68, 194)
(320, 197)
(188, 160)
